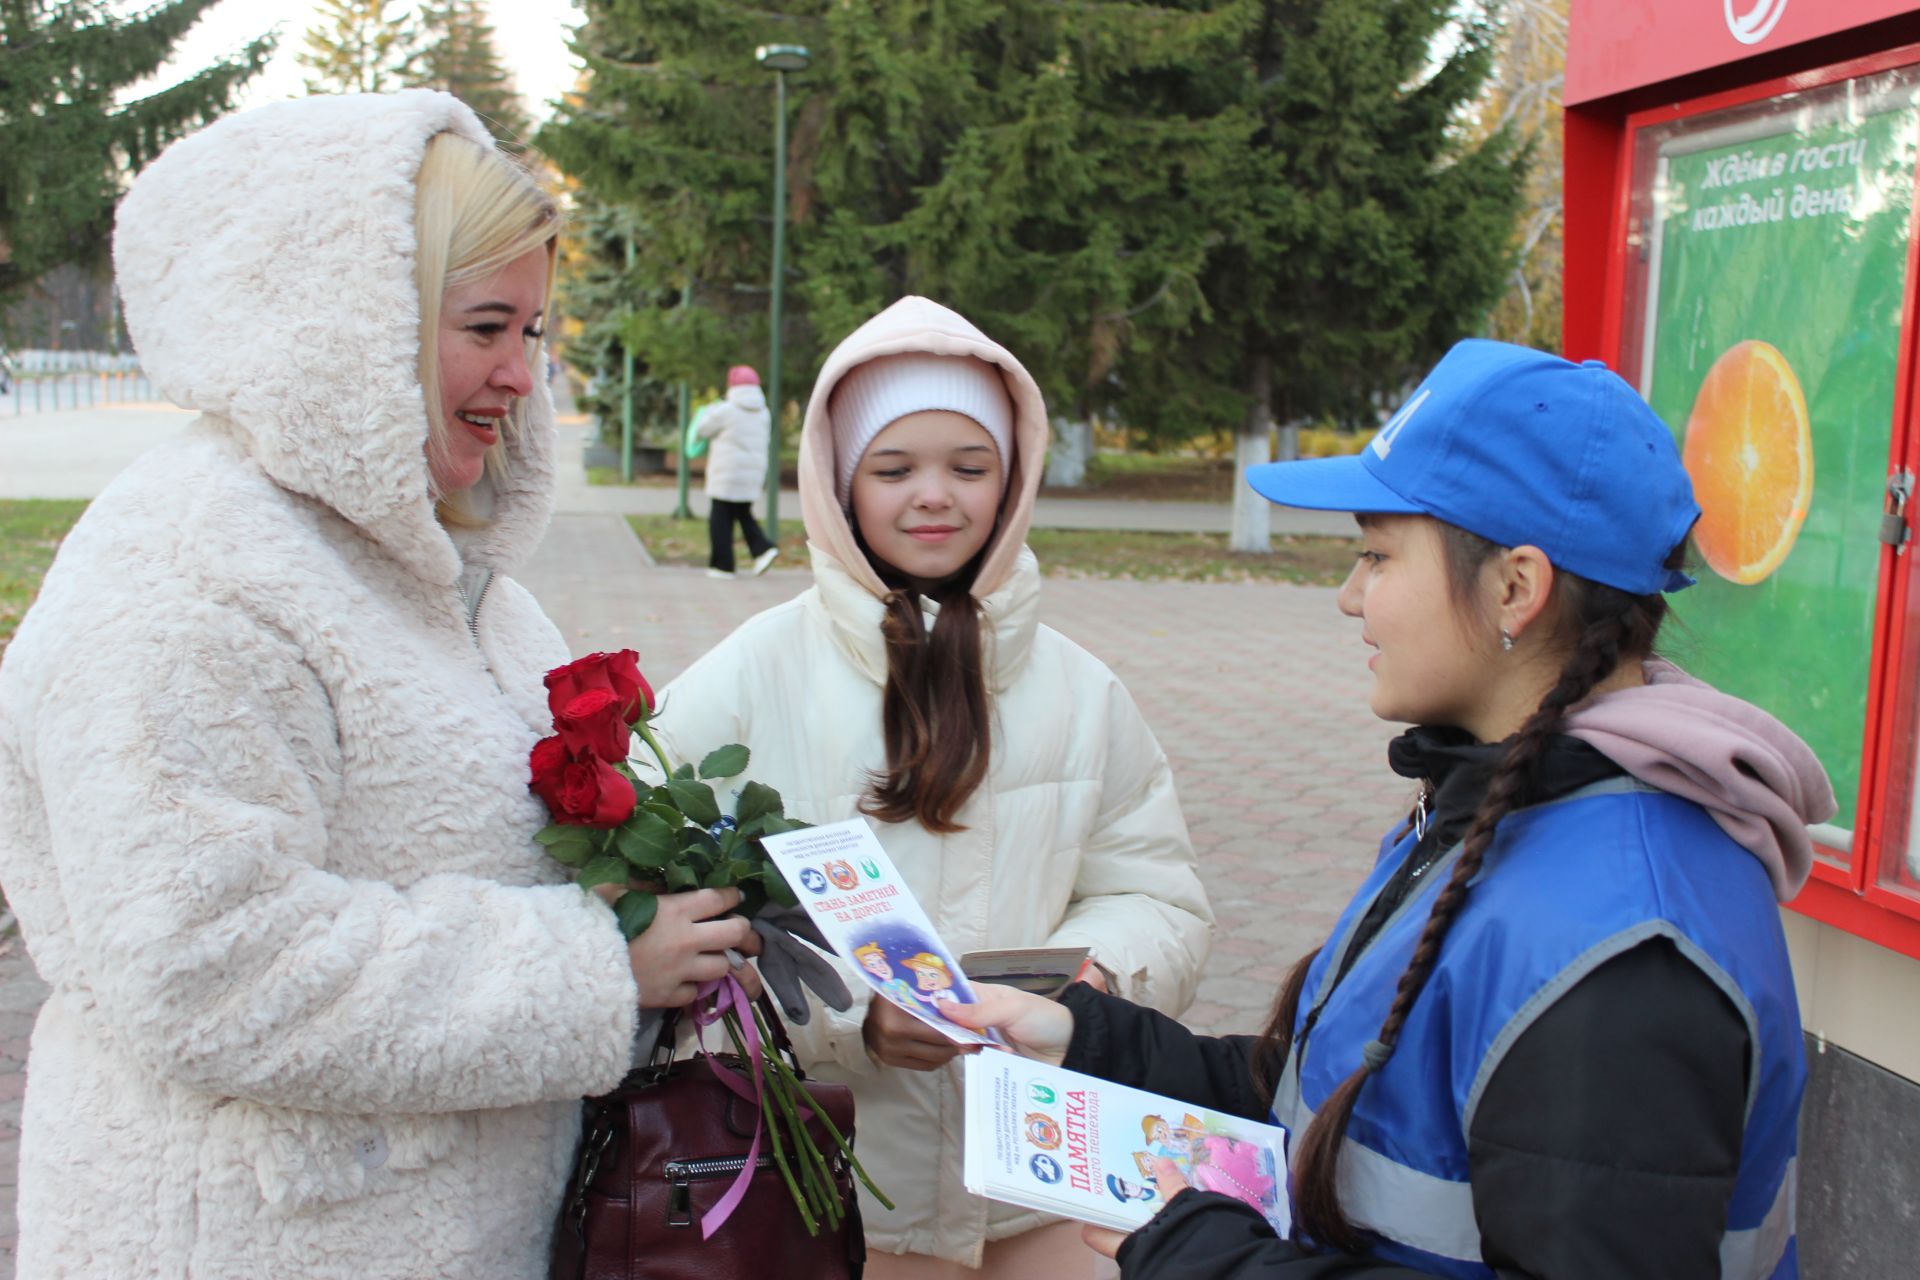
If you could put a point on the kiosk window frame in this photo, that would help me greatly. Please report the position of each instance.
(1866, 878)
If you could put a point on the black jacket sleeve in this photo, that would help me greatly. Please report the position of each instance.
(1132, 1045)
(1605, 1145)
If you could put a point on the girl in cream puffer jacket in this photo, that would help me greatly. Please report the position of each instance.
(1073, 837)
(320, 1005)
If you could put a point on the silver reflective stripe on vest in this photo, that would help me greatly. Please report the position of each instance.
(1754, 1254)
(1403, 1204)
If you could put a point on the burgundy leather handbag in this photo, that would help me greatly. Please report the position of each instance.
(661, 1150)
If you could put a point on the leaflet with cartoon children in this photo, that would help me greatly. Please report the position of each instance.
(855, 894)
(1048, 1138)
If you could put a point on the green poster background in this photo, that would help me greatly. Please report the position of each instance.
(1825, 287)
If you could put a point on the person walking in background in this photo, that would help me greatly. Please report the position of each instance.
(736, 429)
(320, 1004)
(1007, 771)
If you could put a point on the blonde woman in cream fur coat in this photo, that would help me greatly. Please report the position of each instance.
(319, 1005)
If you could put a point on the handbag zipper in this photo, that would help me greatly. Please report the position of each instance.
(684, 1173)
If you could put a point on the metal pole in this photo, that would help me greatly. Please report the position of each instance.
(779, 271)
(680, 511)
(626, 389)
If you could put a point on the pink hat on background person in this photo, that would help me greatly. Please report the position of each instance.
(742, 375)
(875, 394)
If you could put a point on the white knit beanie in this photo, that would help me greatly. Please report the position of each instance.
(880, 391)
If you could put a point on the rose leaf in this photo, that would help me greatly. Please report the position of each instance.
(725, 762)
(635, 911)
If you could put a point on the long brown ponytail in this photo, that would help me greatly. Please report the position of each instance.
(1607, 625)
(937, 717)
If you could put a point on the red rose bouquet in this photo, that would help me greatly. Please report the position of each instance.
(613, 827)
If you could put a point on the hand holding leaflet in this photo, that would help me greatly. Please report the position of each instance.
(1041, 1136)
(846, 882)
(1047, 1138)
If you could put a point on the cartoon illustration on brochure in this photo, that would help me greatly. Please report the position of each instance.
(1211, 1161)
(865, 910)
(891, 948)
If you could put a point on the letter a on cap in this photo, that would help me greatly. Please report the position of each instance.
(1383, 443)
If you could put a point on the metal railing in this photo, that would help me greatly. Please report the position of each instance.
(42, 381)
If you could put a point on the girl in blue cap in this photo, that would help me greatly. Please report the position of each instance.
(1554, 1034)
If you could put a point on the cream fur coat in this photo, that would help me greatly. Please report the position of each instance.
(1075, 838)
(318, 1008)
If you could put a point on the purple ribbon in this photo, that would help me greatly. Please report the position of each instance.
(715, 1001)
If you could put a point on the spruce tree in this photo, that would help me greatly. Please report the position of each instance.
(1034, 166)
(1189, 216)
(461, 56)
(1370, 230)
(69, 141)
(669, 140)
(360, 46)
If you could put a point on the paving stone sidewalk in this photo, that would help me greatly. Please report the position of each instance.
(1257, 692)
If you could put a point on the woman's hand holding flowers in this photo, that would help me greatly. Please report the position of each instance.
(669, 860)
(687, 945)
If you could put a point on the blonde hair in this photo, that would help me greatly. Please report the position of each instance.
(475, 211)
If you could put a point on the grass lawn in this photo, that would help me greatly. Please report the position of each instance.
(1075, 553)
(1154, 477)
(30, 532)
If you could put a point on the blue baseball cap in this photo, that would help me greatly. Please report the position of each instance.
(1519, 447)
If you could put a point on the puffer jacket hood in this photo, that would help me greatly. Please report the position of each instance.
(920, 324)
(1761, 783)
(305, 318)
(750, 398)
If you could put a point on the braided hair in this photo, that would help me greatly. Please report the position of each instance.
(1606, 626)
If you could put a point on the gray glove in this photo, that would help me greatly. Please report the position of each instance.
(786, 962)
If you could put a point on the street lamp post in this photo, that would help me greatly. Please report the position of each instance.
(779, 59)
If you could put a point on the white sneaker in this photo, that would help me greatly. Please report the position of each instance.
(720, 573)
(765, 558)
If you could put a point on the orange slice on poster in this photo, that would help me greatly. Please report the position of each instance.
(1749, 452)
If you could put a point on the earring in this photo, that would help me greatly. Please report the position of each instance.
(1506, 640)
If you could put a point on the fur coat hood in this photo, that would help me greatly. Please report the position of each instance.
(296, 319)
(920, 324)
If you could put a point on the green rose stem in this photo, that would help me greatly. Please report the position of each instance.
(653, 745)
(731, 1023)
(816, 1176)
(780, 1069)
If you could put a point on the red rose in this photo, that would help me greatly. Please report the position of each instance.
(581, 791)
(590, 724)
(617, 673)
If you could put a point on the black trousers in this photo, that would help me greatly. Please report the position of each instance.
(721, 518)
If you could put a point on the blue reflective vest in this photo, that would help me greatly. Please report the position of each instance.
(1566, 886)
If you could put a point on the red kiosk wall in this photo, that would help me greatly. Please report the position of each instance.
(1856, 945)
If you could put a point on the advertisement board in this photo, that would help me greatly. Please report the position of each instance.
(1777, 245)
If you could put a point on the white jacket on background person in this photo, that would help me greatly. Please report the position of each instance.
(320, 1006)
(1074, 838)
(738, 429)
